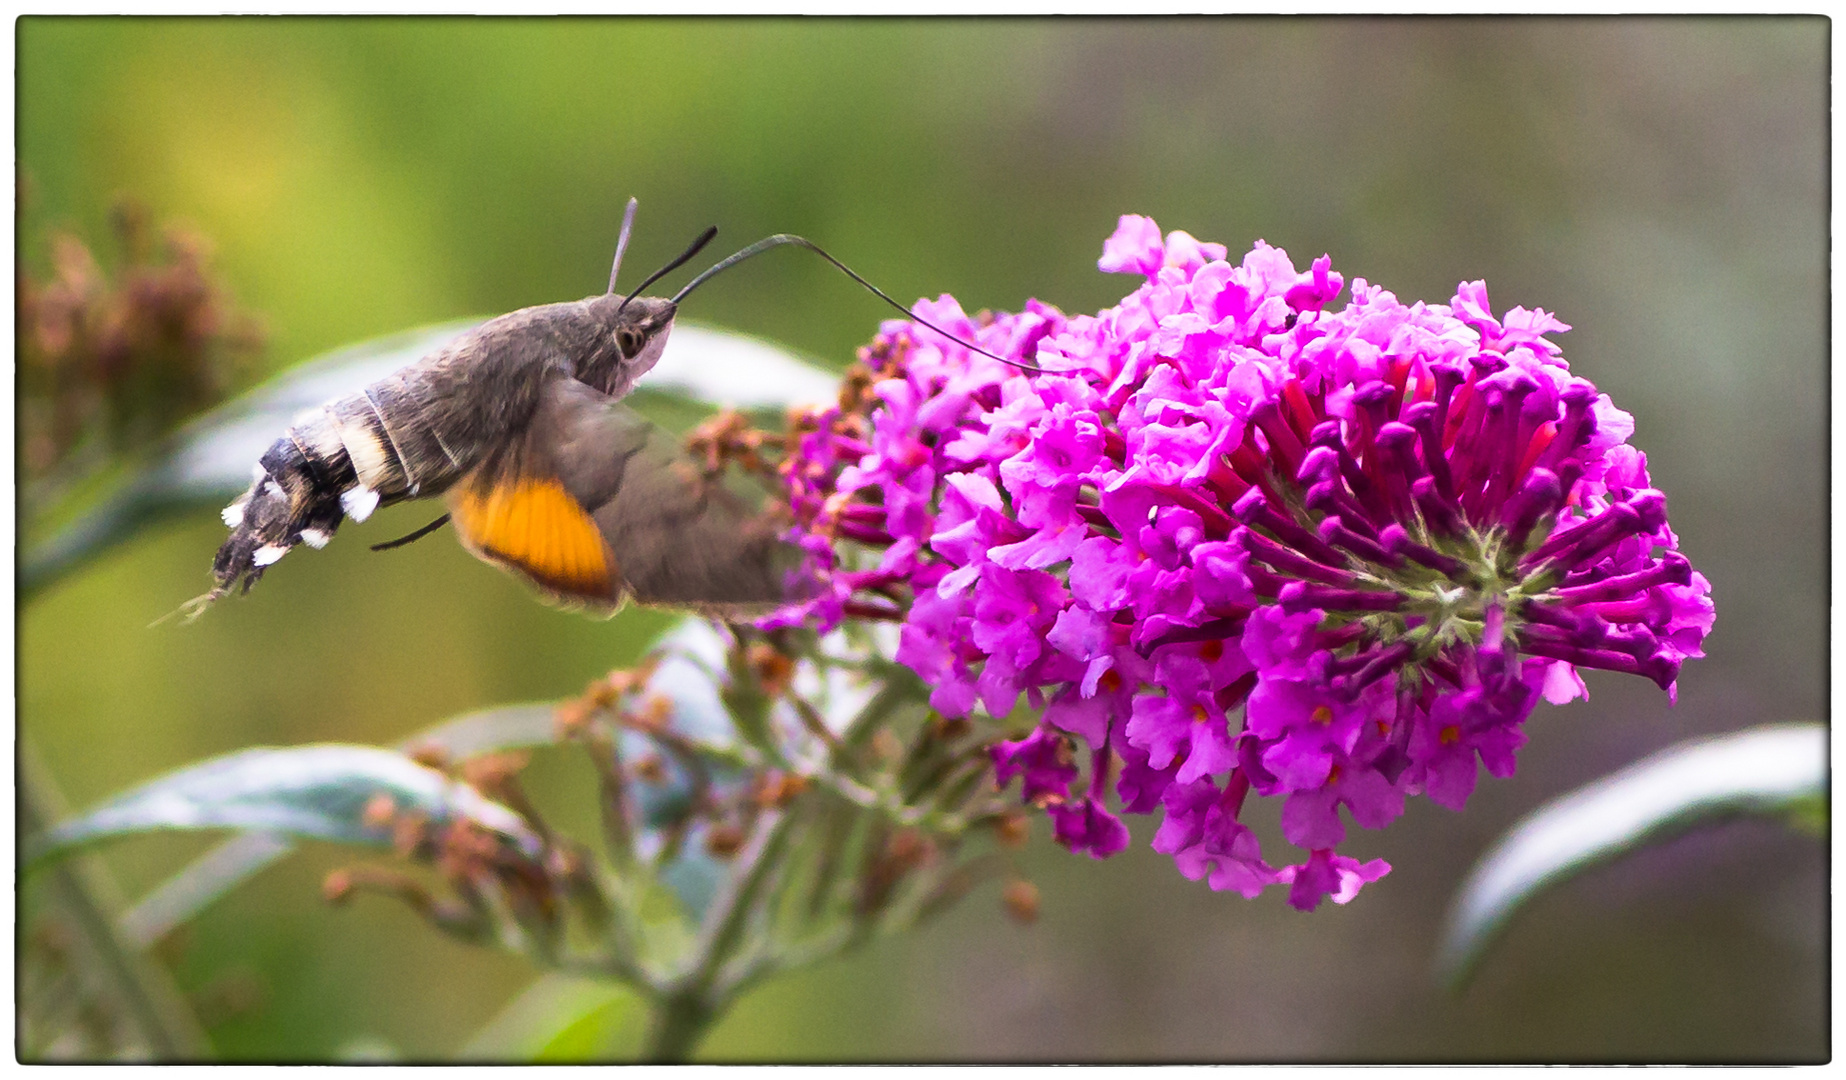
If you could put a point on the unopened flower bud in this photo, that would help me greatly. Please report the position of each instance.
(570, 718)
(1021, 899)
(430, 755)
(337, 887)
(378, 812)
(772, 669)
(724, 840)
(651, 769)
(1013, 829)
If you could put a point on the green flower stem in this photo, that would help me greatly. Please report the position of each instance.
(836, 944)
(612, 797)
(685, 1009)
(618, 968)
(86, 894)
(887, 802)
(812, 720)
(679, 1022)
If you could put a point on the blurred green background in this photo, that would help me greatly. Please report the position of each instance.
(1661, 184)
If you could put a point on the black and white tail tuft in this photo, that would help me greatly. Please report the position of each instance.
(285, 506)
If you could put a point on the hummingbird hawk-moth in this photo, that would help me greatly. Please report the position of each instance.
(517, 424)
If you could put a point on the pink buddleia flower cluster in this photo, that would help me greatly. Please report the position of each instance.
(1234, 541)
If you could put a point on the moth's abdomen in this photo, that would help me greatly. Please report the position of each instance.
(346, 459)
(389, 433)
(294, 498)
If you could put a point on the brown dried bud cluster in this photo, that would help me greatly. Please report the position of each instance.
(492, 773)
(950, 728)
(651, 769)
(774, 670)
(775, 790)
(879, 813)
(728, 438)
(474, 861)
(724, 839)
(573, 716)
(654, 717)
(111, 361)
(468, 851)
(856, 395)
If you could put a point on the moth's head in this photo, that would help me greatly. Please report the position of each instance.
(633, 333)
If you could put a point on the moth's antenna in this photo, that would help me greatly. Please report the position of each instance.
(621, 242)
(697, 245)
(780, 239)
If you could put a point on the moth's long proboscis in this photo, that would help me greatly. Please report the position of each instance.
(781, 239)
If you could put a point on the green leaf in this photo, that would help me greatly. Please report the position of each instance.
(308, 792)
(236, 860)
(1773, 770)
(203, 880)
(685, 677)
(367, 1050)
(207, 463)
(560, 1019)
(723, 367)
(1810, 815)
(505, 727)
(694, 878)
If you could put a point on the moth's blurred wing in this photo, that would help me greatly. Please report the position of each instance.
(684, 541)
(596, 504)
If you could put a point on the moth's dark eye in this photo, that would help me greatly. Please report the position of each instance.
(629, 340)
